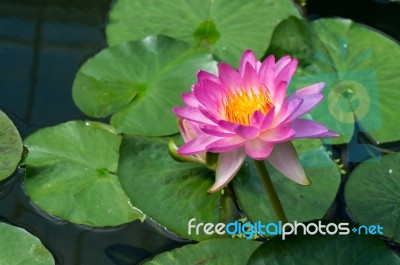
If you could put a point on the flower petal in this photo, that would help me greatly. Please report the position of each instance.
(203, 75)
(308, 103)
(285, 159)
(196, 146)
(257, 119)
(250, 78)
(190, 100)
(280, 94)
(281, 63)
(227, 166)
(204, 98)
(268, 120)
(229, 77)
(287, 72)
(277, 135)
(227, 125)
(248, 132)
(258, 149)
(311, 89)
(191, 114)
(267, 72)
(307, 128)
(226, 144)
(247, 58)
(216, 131)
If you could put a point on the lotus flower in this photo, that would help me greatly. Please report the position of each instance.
(247, 112)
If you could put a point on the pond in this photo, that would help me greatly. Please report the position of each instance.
(44, 43)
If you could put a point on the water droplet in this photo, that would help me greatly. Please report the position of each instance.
(87, 123)
(390, 171)
(223, 47)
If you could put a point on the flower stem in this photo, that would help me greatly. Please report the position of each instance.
(269, 188)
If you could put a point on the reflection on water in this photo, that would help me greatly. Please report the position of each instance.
(42, 45)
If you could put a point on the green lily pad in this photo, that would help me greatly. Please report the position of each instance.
(328, 250)
(170, 192)
(10, 146)
(376, 184)
(71, 173)
(139, 83)
(301, 203)
(226, 27)
(360, 68)
(220, 251)
(18, 247)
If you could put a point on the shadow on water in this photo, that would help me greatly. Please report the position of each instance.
(42, 45)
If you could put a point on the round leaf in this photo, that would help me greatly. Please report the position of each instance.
(376, 184)
(10, 147)
(71, 173)
(18, 247)
(360, 68)
(328, 250)
(139, 83)
(301, 203)
(170, 192)
(219, 251)
(226, 27)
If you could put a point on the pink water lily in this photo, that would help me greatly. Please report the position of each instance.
(247, 112)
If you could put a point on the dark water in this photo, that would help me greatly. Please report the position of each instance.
(42, 45)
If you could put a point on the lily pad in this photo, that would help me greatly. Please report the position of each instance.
(170, 192)
(138, 83)
(10, 147)
(376, 184)
(301, 203)
(360, 68)
(225, 27)
(71, 173)
(324, 249)
(18, 247)
(219, 251)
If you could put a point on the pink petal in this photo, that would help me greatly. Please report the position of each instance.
(248, 132)
(212, 117)
(267, 72)
(204, 98)
(226, 144)
(281, 63)
(329, 134)
(227, 166)
(277, 135)
(196, 146)
(203, 75)
(227, 125)
(190, 100)
(257, 119)
(213, 89)
(250, 78)
(307, 128)
(308, 103)
(309, 90)
(280, 94)
(190, 113)
(216, 131)
(285, 159)
(247, 58)
(287, 72)
(258, 149)
(268, 120)
(189, 130)
(288, 108)
(229, 77)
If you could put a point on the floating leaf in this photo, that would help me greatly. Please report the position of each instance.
(372, 194)
(301, 203)
(71, 173)
(214, 24)
(328, 250)
(359, 66)
(139, 83)
(219, 251)
(18, 247)
(170, 192)
(10, 147)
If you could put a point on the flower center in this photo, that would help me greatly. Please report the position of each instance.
(240, 105)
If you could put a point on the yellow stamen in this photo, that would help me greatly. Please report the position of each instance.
(240, 105)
